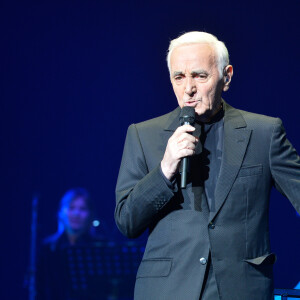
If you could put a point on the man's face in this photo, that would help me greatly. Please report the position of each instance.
(76, 216)
(195, 79)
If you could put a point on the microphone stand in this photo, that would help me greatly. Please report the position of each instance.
(32, 258)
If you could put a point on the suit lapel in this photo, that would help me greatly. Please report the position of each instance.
(170, 124)
(236, 139)
(172, 121)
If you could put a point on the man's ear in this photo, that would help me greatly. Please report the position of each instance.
(228, 73)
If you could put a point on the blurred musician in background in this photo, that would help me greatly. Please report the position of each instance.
(75, 217)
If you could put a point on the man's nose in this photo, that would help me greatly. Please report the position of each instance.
(76, 212)
(190, 87)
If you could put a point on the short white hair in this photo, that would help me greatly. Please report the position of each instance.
(199, 37)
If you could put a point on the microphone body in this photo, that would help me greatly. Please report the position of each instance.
(187, 117)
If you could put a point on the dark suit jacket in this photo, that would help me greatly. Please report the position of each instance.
(256, 155)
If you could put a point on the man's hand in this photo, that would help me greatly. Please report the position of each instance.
(180, 144)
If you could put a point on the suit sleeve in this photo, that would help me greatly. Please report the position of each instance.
(140, 194)
(285, 165)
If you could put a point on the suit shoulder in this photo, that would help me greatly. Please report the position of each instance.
(259, 120)
(158, 122)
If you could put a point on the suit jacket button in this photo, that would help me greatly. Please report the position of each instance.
(203, 261)
(211, 226)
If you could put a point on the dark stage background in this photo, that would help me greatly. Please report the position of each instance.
(76, 74)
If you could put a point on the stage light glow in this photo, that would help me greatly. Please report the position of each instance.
(96, 223)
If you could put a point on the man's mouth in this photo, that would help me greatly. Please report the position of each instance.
(191, 102)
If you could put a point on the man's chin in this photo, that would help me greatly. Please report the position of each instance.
(203, 115)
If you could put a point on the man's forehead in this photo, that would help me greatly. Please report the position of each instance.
(195, 57)
(193, 52)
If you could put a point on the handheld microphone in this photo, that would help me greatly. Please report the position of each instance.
(187, 117)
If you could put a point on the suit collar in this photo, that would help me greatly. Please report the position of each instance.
(236, 140)
(172, 122)
(231, 116)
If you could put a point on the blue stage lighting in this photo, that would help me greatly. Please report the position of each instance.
(96, 223)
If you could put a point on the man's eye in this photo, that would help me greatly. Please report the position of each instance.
(178, 78)
(201, 76)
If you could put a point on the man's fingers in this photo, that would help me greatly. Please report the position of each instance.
(184, 128)
(180, 144)
(186, 152)
(187, 137)
(186, 144)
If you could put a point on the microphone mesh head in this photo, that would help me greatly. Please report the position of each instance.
(187, 115)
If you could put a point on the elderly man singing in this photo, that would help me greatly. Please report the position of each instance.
(209, 240)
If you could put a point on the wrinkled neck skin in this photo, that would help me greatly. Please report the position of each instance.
(207, 117)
